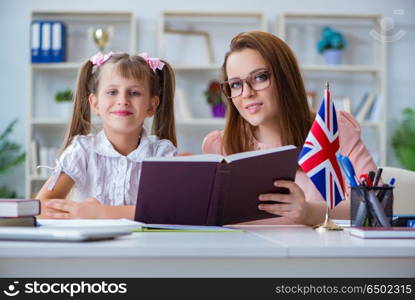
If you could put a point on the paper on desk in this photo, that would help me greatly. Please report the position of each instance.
(342, 223)
(133, 225)
(183, 228)
(118, 223)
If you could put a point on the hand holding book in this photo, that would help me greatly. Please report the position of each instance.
(290, 204)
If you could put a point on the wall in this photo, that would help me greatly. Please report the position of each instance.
(14, 50)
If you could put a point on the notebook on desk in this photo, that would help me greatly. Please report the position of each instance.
(69, 234)
(383, 232)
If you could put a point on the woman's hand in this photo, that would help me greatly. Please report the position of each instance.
(292, 206)
(66, 209)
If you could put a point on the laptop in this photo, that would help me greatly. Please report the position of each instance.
(56, 233)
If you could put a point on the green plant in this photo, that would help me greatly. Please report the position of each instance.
(331, 40)
(10, 156)
(213, 93)
(403, 140)
(64, 96)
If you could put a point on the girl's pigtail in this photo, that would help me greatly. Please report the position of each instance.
(163, 122)
(81, 112)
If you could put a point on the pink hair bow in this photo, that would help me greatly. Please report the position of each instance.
(100, 58)
(153, 62)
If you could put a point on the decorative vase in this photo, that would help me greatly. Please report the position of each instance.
(65, 109)
(333, 56)
(218, 110)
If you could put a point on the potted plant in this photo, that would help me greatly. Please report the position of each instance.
(214, 98)
(64, 98)
(403, 140)
(10, 156)
(331, 46)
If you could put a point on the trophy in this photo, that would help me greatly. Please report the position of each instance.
(101, 37)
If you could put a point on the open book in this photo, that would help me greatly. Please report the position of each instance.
(211, 189)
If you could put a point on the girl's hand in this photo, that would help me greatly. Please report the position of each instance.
(67, 209)
(292, 205)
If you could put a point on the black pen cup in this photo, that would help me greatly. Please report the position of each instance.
(362, 208)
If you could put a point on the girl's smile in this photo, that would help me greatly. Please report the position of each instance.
(122, 113)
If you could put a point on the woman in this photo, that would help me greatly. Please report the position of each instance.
(267, 108)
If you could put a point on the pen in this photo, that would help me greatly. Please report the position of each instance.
(366, 179)
(378, 174)
(385, 198)
(372, 175)
(348, 170)
(361, 211)
(378, 210)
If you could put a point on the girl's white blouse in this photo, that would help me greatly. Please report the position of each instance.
(100, 172)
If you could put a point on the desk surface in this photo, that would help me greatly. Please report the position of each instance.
(271, 251)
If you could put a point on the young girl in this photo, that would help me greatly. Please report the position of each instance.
(105, 168)
(267, 107)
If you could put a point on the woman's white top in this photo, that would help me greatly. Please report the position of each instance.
(100, 172)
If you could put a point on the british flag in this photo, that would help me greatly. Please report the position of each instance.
(318, 156)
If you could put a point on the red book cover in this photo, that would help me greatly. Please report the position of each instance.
(212, 189)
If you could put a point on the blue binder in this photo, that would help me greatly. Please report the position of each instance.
(46, 41)
(35, 41)
(58, 50)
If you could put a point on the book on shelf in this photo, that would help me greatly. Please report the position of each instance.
(18, 221)
(374, 114)
(212, 189)
(34, 157)
(360, 104)
(19, 207)
(47, 160)
(182, 107)
(383, 232)
(365, 107)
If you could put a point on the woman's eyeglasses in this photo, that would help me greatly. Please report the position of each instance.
(259, 80)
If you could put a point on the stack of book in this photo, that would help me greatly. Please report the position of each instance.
(19, 212)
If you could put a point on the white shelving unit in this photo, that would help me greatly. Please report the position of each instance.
(195, 44)
(48, 120)
(363, 68)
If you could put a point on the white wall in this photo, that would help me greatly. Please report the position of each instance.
(14, 46)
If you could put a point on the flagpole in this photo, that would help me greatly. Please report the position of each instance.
(328, 224)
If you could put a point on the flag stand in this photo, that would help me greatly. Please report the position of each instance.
(328, 224)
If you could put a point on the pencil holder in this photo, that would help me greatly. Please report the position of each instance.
(371, 207)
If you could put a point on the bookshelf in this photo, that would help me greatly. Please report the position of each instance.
(195, 43)
(47, 119)
(362, 70)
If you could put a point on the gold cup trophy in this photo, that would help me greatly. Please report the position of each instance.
(101, 37)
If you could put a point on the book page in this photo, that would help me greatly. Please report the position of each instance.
(243, 155)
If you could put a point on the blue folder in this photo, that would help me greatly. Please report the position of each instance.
(35, 41)
(58, 50)
(46, 41)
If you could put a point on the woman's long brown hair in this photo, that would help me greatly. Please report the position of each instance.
(161, 83)
(294, 116)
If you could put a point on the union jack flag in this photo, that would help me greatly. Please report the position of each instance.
(318, 156)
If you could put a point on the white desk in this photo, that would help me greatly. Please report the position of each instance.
(259, 252)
